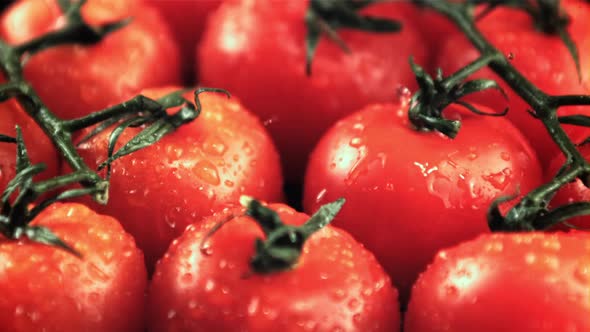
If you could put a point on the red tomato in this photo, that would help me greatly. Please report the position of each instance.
(48, 289)
(513, 32)
(506, 282)
(256, 50)
(39, 146)
(187, 20)
(156, 192)
(83, 79)
(571, 192)
(336, 286)
(410, 193)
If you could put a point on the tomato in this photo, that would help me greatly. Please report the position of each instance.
(572, 192)
(48, 289)
(156, 192)
(513, 32)
(187, 20)
(88, 78)
(205, 283)
(506, 282)
(410, 193)
(39, 146)
(256, 50)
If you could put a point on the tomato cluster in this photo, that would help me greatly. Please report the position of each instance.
(173, 250)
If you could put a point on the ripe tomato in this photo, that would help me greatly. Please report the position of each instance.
(156, 192)
(571, 192)
(513, 32)
(410, 193)
(39, 147)
(47, 289)
(187, 20)
(206, 284)
(256, 50)
(88, 78)
(506, 282)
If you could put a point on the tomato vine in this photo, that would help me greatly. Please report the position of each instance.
(139, 111)
(531, 212)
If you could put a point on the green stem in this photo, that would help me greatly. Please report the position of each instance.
(534, 204)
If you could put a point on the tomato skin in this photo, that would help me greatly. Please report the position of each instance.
(336, 286)
(48, 289)
(256, 50)
(187, 19)
(513, 33)
(506, 282)
(188, 174)
(38, 145)
(572, 192)
(410, 193)
(86, 79)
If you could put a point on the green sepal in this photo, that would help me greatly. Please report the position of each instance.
(283, 245)
(327, 16)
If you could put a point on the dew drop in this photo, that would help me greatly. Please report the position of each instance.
(214, 146)
(206, 249)
(510, 56)
(171, 313)
(356, 142)
(505, 156)
(353, 304)
(582, 274)
(320, 195)
(206, 171)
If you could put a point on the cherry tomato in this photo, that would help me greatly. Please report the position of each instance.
(206, 284)
(48, 289)
(156, 192)
(410, 193)
(506, 282)
(513, 32)
(571, 192)
(256, 50)
(39, 146)
(75, 80)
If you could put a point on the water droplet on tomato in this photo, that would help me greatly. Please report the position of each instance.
(505, 156)
(214, 146)
(228, 183)
(206, 249)
(354, 304)
(355, 142)
(253, 306)
(209, 285)
(510, 56)
(171, 313)
(206, 171)
(530, 258)
(582, 273)
(320, 196)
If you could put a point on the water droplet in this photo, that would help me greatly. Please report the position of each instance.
(582, 273)
(229, 183)
(358, 126)
(472, 156)
(530, 258)
(209, 285)
(505, 156)
(187, 278)
(357, 319)
(353, 304)
(247, 149)
(497, 180)
(253, 306)
(320, 195)
(206, 249)
(171, 313)
(192, 304)
(206, 171)
(356, 142)
(451, 290)
(510, 56)
(214, 146)
(339, 294)
(19, 310)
